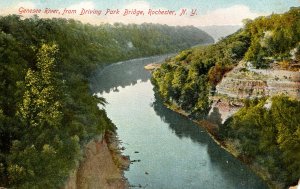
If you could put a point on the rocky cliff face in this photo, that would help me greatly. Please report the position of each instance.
(296, 187)
(245, 82)
(102, 167)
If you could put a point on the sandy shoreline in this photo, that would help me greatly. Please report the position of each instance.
(103, 166)
(152, 66)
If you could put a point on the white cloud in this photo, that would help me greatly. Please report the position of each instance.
(26, 4)
(142, 5)
(138, 5)
(133, 18)
(14, 9)
(227, 16)
(223, 16)
(85, 4)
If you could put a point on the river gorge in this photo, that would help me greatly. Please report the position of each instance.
(167, 150)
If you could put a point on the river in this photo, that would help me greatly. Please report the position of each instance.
(171, 152)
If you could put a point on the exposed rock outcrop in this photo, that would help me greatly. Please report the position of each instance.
(99, 170)
(152, 66)
(296, 187)
(245, 82)
(224, 108)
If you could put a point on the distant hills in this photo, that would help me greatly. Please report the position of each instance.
(218, 32)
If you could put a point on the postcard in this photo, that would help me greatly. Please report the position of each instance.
(152, 94)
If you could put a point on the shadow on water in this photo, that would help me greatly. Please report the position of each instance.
(173, 119)
(215, 117)
(122, 74)
(232, 170)
(128, 73)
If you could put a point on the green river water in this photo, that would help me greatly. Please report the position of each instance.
(171, 152)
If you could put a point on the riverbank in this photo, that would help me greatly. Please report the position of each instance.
(231, 147)
(102, 167)
(152, 66)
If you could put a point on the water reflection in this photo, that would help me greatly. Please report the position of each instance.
(173, 150)
(231, 169)
(215, 116)
(173, 119)
(122, 74)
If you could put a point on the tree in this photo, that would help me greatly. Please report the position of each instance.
(41, 113)
(42, 100)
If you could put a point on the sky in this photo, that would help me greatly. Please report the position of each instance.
(206, 12)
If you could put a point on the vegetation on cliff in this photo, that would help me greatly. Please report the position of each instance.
(187, 78)
(274, 38)
(47, 111)
(268, 133)
(270, 137)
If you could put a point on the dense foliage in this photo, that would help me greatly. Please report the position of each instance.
(47, 111)
(187, 78)
(273, 37)
(269, 135)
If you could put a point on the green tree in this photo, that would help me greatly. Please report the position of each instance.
(42, 100)
(42, 151)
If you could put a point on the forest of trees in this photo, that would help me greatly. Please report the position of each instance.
(268, 137)
(188, 78)
(273, 37)
(47, 111)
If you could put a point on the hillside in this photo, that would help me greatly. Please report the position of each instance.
(251, 76)
(47, 111)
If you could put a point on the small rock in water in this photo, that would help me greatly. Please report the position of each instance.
(146, 173)
(138, 160)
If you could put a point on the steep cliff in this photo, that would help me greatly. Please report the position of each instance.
(102, 166)
(246, 82)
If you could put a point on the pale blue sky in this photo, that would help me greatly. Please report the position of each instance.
(218, 11)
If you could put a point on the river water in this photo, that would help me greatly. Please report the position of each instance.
(171, 152)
